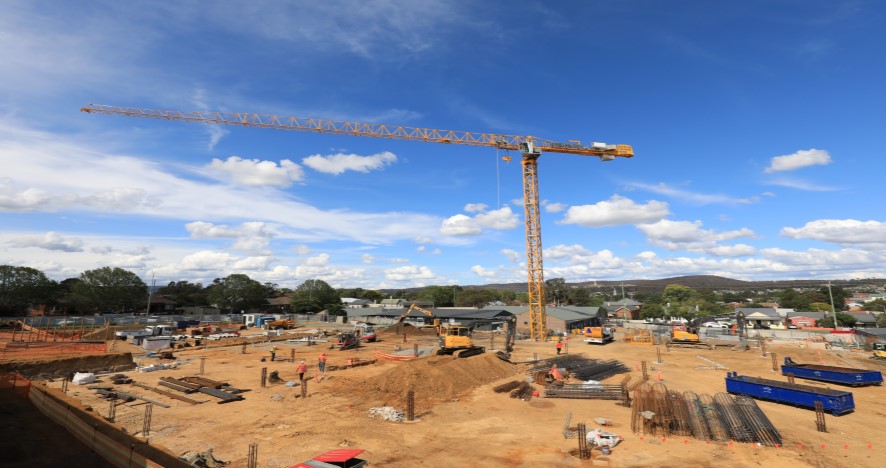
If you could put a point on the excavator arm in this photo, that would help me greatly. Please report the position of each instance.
(420, 309)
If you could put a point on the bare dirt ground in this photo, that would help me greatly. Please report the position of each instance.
(462, 422)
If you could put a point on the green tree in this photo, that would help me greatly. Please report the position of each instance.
(313, 296)
(373, 296)
(237, 293)
(840, 296)
(185, 294)
(580, 297)
(820, 307)
(881, 321)
(877, 304)
(791, 299)
(556, 291)
(652, 311)
(473, 297)
(109, 289)
(753, 305)
(677, 294)
(441, 296)
(843, 320)
(23, 287)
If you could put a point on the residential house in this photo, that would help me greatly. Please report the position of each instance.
(760, 317)
(804, 319)
(355, 303)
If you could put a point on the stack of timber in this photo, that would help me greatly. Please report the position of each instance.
(224, 392)
(584, 392)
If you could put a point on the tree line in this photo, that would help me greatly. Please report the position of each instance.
(107, 289)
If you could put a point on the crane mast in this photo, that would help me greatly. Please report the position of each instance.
(530, 147)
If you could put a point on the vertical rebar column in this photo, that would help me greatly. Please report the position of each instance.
(65, 384)
(252, 460)
(645, 372)
(819, 417)
(774, 363)
(790, 377)
(292, 355)
(584, 453)
(304, 388)
(763, 347)
(264, 377)
(410, 405)
(658, 353)
(415, 350)
(202, 364)
(112, 410)
(535, 356)
(492, 341)
(146, 425)
(243, 349)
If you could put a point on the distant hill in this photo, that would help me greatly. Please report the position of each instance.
(712, 282)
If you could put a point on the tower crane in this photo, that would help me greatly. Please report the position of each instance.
(530, 147)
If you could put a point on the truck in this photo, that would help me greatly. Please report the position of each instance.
(840, 375)
(150, 330)
(836, 402)
(598, 335)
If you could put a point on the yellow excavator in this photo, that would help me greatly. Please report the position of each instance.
(686, 336)
(457, 339)
(879, 350)
(435, 322)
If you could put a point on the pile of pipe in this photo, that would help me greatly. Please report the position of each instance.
(655, 410)
(580, 367)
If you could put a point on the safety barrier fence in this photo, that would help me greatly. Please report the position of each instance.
(107, 441)
(14, 350)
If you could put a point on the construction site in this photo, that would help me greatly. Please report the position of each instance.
(395, 401)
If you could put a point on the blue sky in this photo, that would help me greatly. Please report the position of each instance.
(758, 129)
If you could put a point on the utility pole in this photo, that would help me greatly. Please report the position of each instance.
(150, 291)
(833, 310)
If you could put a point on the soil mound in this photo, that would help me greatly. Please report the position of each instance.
(399, 329)
(437, 378)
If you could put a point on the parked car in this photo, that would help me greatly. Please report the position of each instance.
(792, 326)
(715, 325)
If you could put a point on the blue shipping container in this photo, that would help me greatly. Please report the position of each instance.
(835, 402)
(840, 375)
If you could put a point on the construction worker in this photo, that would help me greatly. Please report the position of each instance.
(321, 362)
(273, 353)
(301, 369)
(559, 347)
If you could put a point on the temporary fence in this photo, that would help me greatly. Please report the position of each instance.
(107, 441)
(21, 349)
(394, 357)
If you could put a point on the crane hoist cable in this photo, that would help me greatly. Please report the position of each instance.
(529, 146)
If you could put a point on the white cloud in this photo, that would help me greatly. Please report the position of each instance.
(554, 207)
(460, 225)
(696, 198)
(409, 273)
(257, 263)
(475, 207)
(340, 163)
(206, 260)
(251, 236)
(500, 219)
(436, 252)
(483, 272)
(512, 255)
(799, 184)
(420, 248)
(367, 259)
(615, 211)
(25, 200)
(841, 232)
(255, 173)
(799, 160)
(50, 241)
(301, 249)
(463, 225)
(565, 251)
(319, 260)
(399, 260)
(215, 132)
(689, 236)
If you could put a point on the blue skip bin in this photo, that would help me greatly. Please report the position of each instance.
(835, 402)
(840, 375)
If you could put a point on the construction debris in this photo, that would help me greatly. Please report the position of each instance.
(203, 459)
(388, 413)
(579, 366)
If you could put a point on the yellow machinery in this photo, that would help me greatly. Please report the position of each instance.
(530, 147)
(879, 350)
(687, 336)
(456, 340)
(598, 335)
(435, 321)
